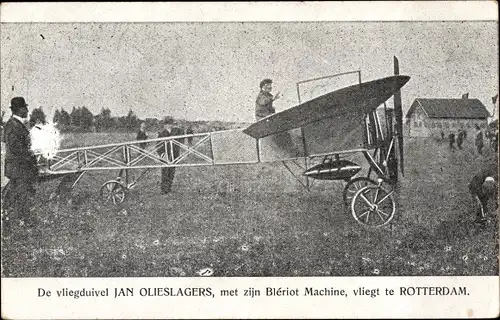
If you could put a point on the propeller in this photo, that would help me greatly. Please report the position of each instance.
(398, 110)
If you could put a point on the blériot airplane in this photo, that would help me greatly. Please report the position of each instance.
(315, 136)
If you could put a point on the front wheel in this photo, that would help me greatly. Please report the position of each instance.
(373, 206)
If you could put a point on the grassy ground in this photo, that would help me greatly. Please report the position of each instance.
(255, 220)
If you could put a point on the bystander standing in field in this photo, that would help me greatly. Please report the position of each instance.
(141, 135)
(451, 139)
(484, 186)
(442, 135)
(169, 152)
(460, 139)
(264, 101)
(479, 140)
(492, 136)
(20, 164)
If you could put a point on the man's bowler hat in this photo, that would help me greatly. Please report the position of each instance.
(17, 103)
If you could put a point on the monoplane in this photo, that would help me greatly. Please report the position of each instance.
(312, 140)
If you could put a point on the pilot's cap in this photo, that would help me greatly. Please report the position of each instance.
(264, 82)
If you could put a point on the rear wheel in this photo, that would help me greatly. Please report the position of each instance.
(113, 191)
(353, 186)
(373, 206)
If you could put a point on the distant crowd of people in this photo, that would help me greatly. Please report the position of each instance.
(479, 139)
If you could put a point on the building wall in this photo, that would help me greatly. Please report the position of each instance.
(419, 125)
(416, 124)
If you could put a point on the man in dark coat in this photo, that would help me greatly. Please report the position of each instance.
(484, 186)
(264, 101)
(20, 163)
(171, 152)
(460, 139)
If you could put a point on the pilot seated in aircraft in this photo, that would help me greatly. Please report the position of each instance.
(264, 101)
(484, 186)
(264, 108)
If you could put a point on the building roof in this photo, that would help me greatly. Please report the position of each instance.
(450, 108)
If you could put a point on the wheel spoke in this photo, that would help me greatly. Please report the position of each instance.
(376, 195)
(382, 212)
(367, 217)
(367, 211)
(381, 218)
(365, 200)
(386, 196)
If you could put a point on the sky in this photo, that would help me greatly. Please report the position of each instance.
(211, 70)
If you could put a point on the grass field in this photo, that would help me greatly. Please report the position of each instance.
(255, 220)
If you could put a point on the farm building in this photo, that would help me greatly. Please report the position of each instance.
(430, 117)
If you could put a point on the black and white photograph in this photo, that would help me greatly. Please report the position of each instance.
(249, 149)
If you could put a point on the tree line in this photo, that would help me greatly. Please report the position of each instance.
(81, 119)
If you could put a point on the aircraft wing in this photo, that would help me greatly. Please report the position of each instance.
(359, 98)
